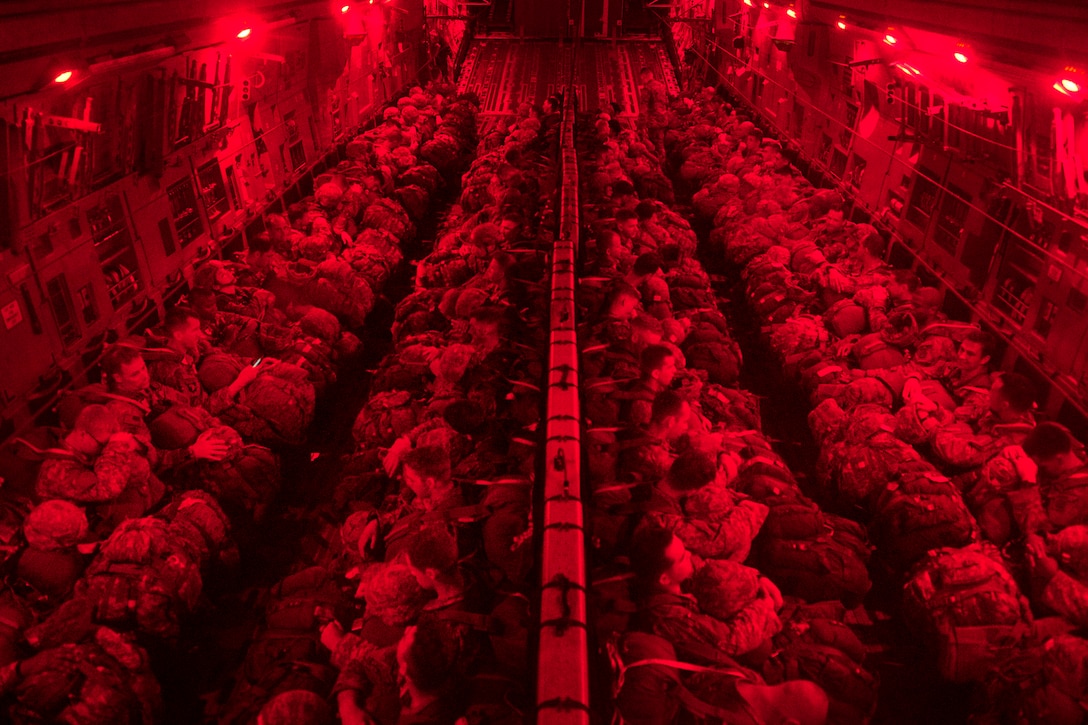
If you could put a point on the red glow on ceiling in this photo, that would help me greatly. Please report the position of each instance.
(244, 33)
(1070, 85)
(890, 39)
(63, 77)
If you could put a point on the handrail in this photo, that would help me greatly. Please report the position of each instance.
(562, 690)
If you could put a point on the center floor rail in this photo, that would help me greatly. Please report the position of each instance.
(562, 662)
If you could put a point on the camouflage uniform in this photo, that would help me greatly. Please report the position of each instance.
(118, 481)
(711, 522)
(677, 618)
(102, 681)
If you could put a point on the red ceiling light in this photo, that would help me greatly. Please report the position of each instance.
(748, 3)
(244, 33)
(792, 13)
(344, 9)
(63, 77)
(890, 39)
(1070, 85)
(841, 25)
(766, 6)
(960, 57)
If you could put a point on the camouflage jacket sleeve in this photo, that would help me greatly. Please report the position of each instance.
(1068, 597)
(75, 481)
(1028, 509)
(957, 445)
(741, 634)
(721, 537)
(350, 656)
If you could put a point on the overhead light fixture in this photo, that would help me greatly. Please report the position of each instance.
(890, 39)
(63, 77)
(244, 33)
(792, 13)
(1070, 85)
(748, 3)
(344, 9)
(960, 57)
(1058, 87)
(766, 6)
(841, 25)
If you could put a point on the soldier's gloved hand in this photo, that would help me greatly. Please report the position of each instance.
(392, 459)
(208, 447)
(332, 635)
(1026, 468)
(768, 589)
(1042, 565)
(124, 440)
(368, 539)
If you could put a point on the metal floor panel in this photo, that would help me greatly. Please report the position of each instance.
(505, 72)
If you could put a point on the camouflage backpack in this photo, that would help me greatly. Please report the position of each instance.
(968, 607)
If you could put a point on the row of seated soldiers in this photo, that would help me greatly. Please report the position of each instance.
(117, 518)
(418, 611)
(722, 592)
(975, 507)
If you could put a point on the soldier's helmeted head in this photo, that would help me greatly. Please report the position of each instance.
(183, 331)
(93, 427)
(1053, 448)
(124, 370)
(645, 74)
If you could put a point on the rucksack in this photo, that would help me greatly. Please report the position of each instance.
(829, 566)
(920, 511)
(968, 607)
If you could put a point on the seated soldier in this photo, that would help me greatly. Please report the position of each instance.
(649, 224)
(646, 454)
(428, 494)
(657, 368)
(101, 464)
(1009, 418)
(693, 502)
(133, 398)
(1051, 466)
(865, 267)
(631, 233)
(662, 564)
(185, 338)
(1061, 590)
